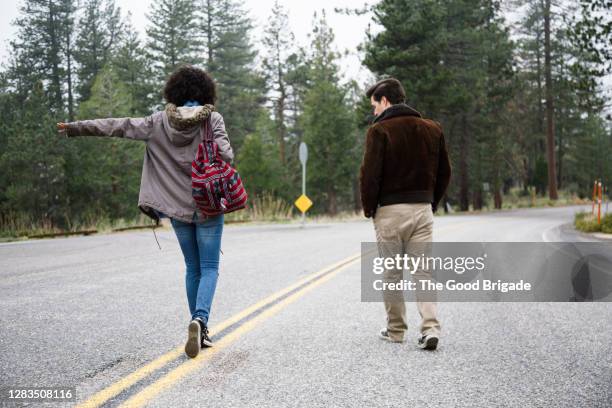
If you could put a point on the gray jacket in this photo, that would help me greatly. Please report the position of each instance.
(165, 185)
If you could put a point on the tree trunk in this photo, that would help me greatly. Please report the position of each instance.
(69, 77)
(550, 125)
(477, 200)
(464, 200)
(55, 55)
(497, 198)
(280, 117)
(332, 203)
(560, 165)
(209, 34)
(539, 81)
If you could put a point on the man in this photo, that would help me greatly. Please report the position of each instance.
(404, 174)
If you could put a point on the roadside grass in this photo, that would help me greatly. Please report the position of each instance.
(587, 222)
(22, 226)
(17, 226)
(263, 208)
(518, 198)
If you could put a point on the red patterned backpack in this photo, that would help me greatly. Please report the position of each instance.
(216, 186)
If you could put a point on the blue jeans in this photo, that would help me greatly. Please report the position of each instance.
(200, 242)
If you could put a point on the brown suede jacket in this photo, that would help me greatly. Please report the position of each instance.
(405, 160)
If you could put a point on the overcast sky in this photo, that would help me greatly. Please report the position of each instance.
(349, 31)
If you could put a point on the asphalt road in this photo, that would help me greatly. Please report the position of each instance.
(108, 315)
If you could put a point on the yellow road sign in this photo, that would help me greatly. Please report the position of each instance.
(303, 203)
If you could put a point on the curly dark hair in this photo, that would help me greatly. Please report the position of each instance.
(189, 83)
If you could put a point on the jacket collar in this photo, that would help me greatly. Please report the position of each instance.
(183, 118)
(400, 109)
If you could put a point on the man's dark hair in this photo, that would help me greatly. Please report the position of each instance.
(189, 83)
(390, 88)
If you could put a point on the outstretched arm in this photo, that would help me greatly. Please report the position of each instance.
(130, 128)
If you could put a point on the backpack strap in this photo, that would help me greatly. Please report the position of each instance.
(208, 149)
(206, 130)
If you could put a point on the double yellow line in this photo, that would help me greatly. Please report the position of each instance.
(263, 310)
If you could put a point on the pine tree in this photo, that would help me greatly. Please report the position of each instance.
(211, 23)
(590, 31)
(8, 120)
(38, 86)
(106, 170)
(550, 124)
(589, 155)
(329, 132)
(109, 97)
(99, 30)
(568, 83)
(69, 50)
(134, 70)
(258, 162)
(34, 163)
(40, 49)
(495, 134)
(226, 29)
(171, 37)
(278, 40)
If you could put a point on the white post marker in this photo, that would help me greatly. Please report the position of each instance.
(303, 203)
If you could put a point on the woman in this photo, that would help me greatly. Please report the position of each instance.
(172, 137)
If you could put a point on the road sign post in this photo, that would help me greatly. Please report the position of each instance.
(599, 204)
(303, 203)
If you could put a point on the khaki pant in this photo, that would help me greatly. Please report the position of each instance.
(403, 225)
